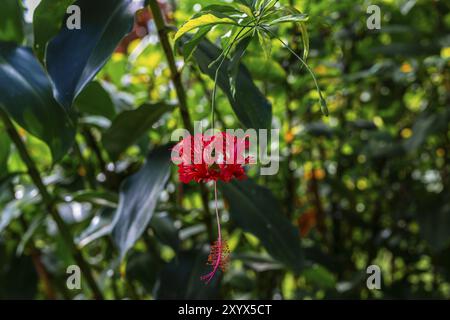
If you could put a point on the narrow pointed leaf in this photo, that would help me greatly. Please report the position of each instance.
(101, 225)
(290, 18)
(208, 19)
(139, 195)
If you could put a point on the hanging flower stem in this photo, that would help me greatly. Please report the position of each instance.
(219, 254)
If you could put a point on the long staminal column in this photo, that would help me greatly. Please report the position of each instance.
(219, 253)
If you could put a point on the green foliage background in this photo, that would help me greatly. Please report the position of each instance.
(369, 184)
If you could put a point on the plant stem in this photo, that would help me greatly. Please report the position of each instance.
(181, 94)
(176, 75)
(50, 204)
(223, 57)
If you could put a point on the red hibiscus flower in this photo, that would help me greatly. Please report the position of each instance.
(204, 158)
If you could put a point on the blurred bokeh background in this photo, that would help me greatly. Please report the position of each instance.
(367, 185)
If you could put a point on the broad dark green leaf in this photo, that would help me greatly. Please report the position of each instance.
(139, 195)
(11, 21)
(26, 95)
(74, 57)
(180, 279)
(95, 100)
(165, 230)
(265, 69)
(47, 21)
(189, 46)
(256, 210)
(250, 106)
(5, 148)
(144, 269)
(18, 277)
(434, 220)
(129, 126)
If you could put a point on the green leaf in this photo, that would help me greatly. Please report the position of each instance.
(250, 106)
(319, 276)
(248, 3)
(245, 9)
(233, 67)
(26, 95)
(434, 219)
(208, 19)
(305, 40)
(11, 21)
(18, 276)
(266, 43)
(48, 18)
(139, 195)
(144, 269)
(323, 106)
(38, 221)
(129, 126)
(290, 18)
(95, 100)
(265, 69)
(74, 57)
(98, 198)
(189, 46)
(165, 230)
(5, 148)
(101, 225)
(303, 29)
(180, 279)
(258, 262)
(256, 210)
